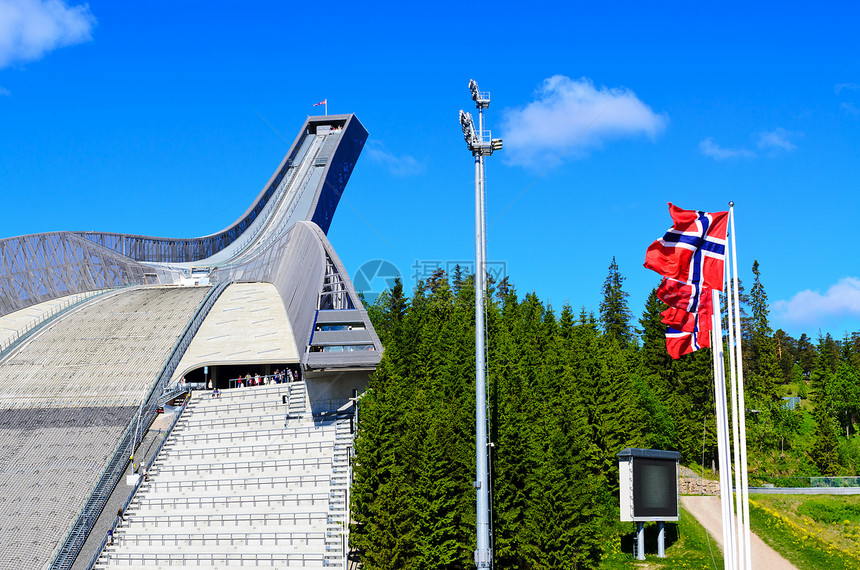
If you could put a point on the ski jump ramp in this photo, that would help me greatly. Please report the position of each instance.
(96, 329)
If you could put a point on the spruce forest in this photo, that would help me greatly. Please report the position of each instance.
(567, 390)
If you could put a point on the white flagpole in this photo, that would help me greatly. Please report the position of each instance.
(742, 416)
(736, 421)
(722, 425)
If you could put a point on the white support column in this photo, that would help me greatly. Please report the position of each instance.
(741, 401)
(722, 426)
(735, 424)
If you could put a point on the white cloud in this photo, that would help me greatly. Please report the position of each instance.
(31, 28)
(850, 108)
(808, 307)
(5, 92)
(574, 113)
(850, 86)
(715, 151)
(776, 140)
(400, 166)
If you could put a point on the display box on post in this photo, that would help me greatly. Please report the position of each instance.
(648, 481)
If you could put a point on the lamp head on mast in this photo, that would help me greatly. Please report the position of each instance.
(482, 100)
(481, 144)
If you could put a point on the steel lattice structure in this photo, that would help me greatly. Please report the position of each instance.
(41, 267)
(313, 175)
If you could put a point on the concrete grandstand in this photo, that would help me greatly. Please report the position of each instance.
(100, 331)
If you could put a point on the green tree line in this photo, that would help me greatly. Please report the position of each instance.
(567, 392)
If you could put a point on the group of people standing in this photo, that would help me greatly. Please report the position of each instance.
(277, 377)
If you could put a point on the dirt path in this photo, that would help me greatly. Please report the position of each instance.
(707, 511)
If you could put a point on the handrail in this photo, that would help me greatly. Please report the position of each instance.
(92, 509)
(250, 449)
(236, 422)
(22, 335)
(236, 466)
(220, 519)
(244, 484)
(255, 500)
(249, 538)
(253, 434)
(101, 547)
(195, 559)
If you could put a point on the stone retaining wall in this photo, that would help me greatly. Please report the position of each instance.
(689, 486)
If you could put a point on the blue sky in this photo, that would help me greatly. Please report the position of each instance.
(167, 118)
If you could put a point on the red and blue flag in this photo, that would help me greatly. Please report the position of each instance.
(679, 343)
(693, 249)
(686, 296)
(690, 256)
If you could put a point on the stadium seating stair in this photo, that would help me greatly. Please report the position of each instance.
(252, 478)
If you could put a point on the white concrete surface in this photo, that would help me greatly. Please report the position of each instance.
(224, 336)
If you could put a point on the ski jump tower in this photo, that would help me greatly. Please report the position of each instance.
(96, 330)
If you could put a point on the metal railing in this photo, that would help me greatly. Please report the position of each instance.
(257, 465)
(230, 436)
(236, 407)
(243, 484)
(235, 501)
(801, 482)
(290, 538)
(268, 381)
(20, 336)
(236, 422)
(92, 509)
(211, 559)
(242, 450)
(235, 519)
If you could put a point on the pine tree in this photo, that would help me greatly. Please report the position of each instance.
(806, 355)
(380, 505)
(786, 353)
(615, 314)
(761, 366)
(824, 448)
(844, 395)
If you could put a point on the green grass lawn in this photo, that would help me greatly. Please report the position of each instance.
(687, 546)
(810, 531)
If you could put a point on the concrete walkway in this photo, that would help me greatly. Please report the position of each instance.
(706, 509)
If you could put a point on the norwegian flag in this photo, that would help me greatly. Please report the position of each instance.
(323, 102)
(679, 342)
(680, 320)
(686, 296)
(693, 249)
(690, 307)
(690, 257)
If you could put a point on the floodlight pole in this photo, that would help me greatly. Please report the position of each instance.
(480, 148)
